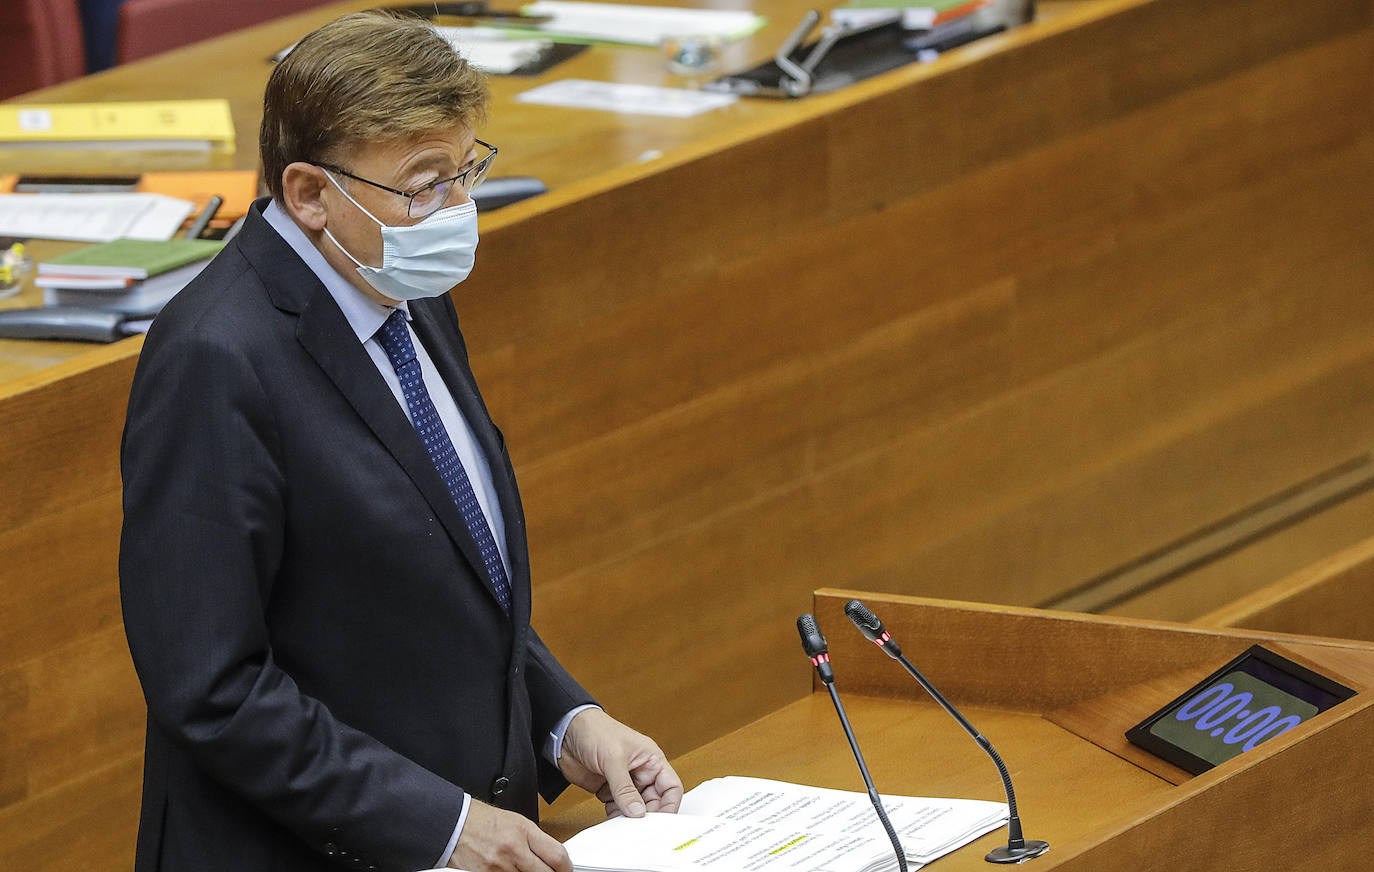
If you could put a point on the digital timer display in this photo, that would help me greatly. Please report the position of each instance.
(1250, 700)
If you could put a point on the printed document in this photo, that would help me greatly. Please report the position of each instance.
(91, 217)
(738, 824)
(628, 99)
(493, 50)
(639, 25)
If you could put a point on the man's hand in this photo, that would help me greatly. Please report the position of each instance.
(494, 840)
(625, 769)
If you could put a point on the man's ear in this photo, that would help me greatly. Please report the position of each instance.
(302, 185)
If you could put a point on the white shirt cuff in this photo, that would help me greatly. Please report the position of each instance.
(457, 833)
(553, 746)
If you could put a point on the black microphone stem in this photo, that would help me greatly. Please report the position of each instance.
(868, 779)
(1015, 839)
(813, 643)
(1017, 849)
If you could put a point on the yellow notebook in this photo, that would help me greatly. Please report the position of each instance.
(171, 125)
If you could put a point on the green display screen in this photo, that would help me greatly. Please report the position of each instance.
(1252, 699)
(1233, 714)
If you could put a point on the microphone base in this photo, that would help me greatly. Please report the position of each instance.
(1008, 854)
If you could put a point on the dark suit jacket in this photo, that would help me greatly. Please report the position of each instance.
(326, 667)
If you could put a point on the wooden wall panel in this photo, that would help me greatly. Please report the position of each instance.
(56, 571)
(998, 414)
(71, 741)
(966, 649)
(1333, 597)
(61, 433)
(782, 426)
(81, 708)
(84, 825)
(932, 239)
(1229, 580)
(1260, 345)
(71, 713)
(1204, 827)
(1078, 300)
(1108, 68)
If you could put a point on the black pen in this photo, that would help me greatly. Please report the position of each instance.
(198, 226)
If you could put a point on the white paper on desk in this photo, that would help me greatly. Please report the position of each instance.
(494, 50)
(737, 824)
(91, 217)
(927, 828)
(628, 99)
(678, 843)
(489, 49)
(639, 25)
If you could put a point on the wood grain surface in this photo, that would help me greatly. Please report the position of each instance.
(982, 328)
(1270, 563)
(914, 749)
(1333, 597)
(1097, 808)
(1043, 661)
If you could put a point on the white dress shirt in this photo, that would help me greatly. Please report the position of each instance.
(366, 317)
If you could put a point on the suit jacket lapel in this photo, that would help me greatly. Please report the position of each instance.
(324, 333)
(436, 323)
(429, 325)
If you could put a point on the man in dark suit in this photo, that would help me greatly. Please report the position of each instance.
(323, 564)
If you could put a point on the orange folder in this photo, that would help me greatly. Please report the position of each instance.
(238, 188)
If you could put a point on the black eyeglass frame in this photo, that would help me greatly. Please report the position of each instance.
(479, 167)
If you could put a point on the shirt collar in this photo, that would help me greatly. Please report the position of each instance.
(364, 314)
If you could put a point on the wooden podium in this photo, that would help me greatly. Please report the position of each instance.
(1055, 692)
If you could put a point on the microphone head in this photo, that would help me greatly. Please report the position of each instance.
(864, 619)
(813, 643)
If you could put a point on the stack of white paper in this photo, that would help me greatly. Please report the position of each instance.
(740, 823)
(489, 49)
(493, 50)
(144, 298)
(625, 98)
(639, 25)
(91, 217)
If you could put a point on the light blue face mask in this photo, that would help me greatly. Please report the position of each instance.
(420, 260)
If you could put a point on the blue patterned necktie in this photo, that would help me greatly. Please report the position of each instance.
(394, 338)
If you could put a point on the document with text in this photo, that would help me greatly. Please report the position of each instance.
(739, 824)
(92, 217)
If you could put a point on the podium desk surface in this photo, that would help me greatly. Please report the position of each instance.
(1055, 692)
(1066, 788)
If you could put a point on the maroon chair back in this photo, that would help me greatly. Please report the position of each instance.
(43, 46)
(149, 27)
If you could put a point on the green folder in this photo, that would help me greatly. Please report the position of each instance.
(131, 258)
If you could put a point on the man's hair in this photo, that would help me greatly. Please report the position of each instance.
(365, 77)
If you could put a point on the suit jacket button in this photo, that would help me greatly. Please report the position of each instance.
(331, 849)
(499, 786)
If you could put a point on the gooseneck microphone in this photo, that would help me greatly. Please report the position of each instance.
(1017, 849)
(813, 643)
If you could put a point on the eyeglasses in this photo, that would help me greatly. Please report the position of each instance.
(427, 200)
